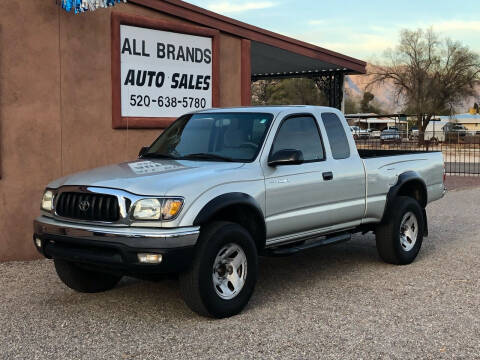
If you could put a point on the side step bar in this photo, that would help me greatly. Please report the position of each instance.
(324, 241)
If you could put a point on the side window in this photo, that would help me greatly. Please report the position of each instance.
(300, 133)
(336, 136)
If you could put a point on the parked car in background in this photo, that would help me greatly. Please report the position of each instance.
(414, 133)
(374, 133)
(359, 133)
(390, 136)
(455, 132)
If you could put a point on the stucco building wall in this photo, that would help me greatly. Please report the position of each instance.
(56, 105)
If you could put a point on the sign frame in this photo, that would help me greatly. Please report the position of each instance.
(117, 19)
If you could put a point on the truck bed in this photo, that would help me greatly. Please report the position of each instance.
(374, 153)
(382, 168)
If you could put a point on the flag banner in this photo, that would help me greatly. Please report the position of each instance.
(79, 6)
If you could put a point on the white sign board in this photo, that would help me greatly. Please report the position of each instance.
(164, 74)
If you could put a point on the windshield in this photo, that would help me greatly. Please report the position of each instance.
(213, 137)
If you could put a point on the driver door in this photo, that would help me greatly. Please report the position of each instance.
(294, 192)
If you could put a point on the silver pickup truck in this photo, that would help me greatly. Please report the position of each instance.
(220, 187)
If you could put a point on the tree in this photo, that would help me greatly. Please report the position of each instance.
(365, 103)
(430, 75)
(297, 92)
(287, 92)
(262, 91)
(351, 106)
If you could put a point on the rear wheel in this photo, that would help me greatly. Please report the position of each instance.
(400, 237)
(222, 277)
(83, 280)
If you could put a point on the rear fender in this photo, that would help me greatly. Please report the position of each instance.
(404, 180)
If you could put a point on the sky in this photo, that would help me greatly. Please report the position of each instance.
(362, 29)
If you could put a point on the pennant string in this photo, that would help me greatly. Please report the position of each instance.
(80, 6)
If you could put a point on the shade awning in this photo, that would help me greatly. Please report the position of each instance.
(269, 61)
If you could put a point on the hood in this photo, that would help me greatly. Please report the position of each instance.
(147, 177)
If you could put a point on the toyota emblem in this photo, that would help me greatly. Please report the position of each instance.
(84, 205)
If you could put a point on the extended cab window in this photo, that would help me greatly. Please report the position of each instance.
(336, 136)
(300, 133)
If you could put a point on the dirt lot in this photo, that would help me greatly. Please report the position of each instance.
(337, 302)
(462, 182)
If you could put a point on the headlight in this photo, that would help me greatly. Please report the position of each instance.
(47, 200)
(147, 209)
(156, 209)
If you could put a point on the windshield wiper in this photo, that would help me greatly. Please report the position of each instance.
(159, 156)
(207, 156)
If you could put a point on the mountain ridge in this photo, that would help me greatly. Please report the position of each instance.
(356, 85)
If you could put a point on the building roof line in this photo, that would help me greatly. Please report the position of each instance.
(209, 18)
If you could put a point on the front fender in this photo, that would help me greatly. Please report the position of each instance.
(223, 201)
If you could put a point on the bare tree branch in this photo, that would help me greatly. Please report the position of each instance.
(430, 75)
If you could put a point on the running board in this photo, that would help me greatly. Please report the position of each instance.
(287, 251)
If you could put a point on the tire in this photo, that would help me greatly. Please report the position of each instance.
(391, 246)
(82, 280)
(197, 283)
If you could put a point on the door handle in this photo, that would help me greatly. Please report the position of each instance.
(327, 176)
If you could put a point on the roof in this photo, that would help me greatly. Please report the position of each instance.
(273, 109)
(290, 56)
(463, 118)
(382, 121)
(373, 115)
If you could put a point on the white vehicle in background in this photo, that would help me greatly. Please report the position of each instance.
(359, 133)
(374, 133)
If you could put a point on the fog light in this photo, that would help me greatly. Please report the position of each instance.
(38, 242)
(150, 258)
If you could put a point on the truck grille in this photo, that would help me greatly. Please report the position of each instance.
(96, 207)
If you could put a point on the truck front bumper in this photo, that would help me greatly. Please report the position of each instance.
(116, 248)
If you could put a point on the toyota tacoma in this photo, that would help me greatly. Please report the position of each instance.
(221, 187)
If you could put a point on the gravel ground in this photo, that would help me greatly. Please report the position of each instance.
(455, 182)
(336, 302)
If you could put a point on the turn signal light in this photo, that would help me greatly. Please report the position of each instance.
(171, 208)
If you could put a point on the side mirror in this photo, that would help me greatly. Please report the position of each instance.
(143, 151)
(286, 157)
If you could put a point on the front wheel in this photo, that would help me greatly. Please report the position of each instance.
(222, 277)
(400, 237)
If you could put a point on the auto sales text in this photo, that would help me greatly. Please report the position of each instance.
(135, 77)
